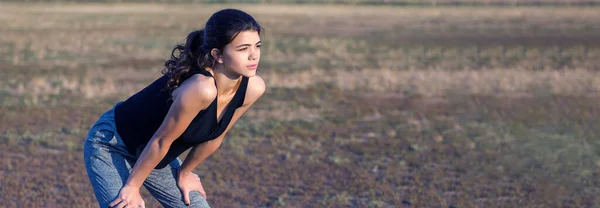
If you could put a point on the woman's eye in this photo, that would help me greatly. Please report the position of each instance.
(258, 46)
(243, 49)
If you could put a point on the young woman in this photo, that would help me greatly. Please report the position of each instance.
(205, 88)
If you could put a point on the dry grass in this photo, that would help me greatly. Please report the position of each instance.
(429, 83)
(76, 35)
(441, 82)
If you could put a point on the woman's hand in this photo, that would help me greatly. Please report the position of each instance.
(128, 197)
(187, 182)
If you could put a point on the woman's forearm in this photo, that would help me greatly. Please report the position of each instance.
(198, 154)
(152, 154)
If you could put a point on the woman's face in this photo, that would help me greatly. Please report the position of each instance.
(242, 55)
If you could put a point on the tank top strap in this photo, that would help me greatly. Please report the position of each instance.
(203, 72)
(240, 95)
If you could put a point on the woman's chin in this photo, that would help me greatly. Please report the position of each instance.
(249, 73)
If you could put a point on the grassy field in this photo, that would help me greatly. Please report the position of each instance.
(366, 106)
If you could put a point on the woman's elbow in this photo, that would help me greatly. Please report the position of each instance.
(160, 145)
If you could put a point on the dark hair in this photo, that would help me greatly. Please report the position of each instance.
(220, 29)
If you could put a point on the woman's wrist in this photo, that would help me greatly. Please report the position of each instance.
(132, 185)
(182, 172)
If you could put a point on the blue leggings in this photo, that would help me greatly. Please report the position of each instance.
(108, 165)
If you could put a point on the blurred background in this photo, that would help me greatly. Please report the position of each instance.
(440, 103)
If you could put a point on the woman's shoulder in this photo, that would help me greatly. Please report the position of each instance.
(199, 86)
(256, 88)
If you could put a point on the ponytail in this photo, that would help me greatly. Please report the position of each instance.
(190, 58)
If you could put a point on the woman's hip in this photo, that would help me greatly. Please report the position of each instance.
(103, 136)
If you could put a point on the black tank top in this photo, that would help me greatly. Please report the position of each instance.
(138, 118)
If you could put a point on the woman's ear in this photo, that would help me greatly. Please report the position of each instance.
(217, 55)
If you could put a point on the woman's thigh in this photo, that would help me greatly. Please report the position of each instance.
(106, 159)
(107, 167)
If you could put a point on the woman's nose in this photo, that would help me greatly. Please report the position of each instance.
(253, 55)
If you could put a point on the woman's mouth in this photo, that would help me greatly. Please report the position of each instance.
(252, 67)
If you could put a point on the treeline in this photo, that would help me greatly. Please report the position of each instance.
(359, 2)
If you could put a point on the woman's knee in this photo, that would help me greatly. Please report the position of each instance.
(197, 200)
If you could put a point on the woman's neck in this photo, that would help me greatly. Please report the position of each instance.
(226, 82)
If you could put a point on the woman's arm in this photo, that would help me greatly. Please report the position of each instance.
(256, 88)
(188, 181)
(189, 99)
(183, 110)
(201, 151)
